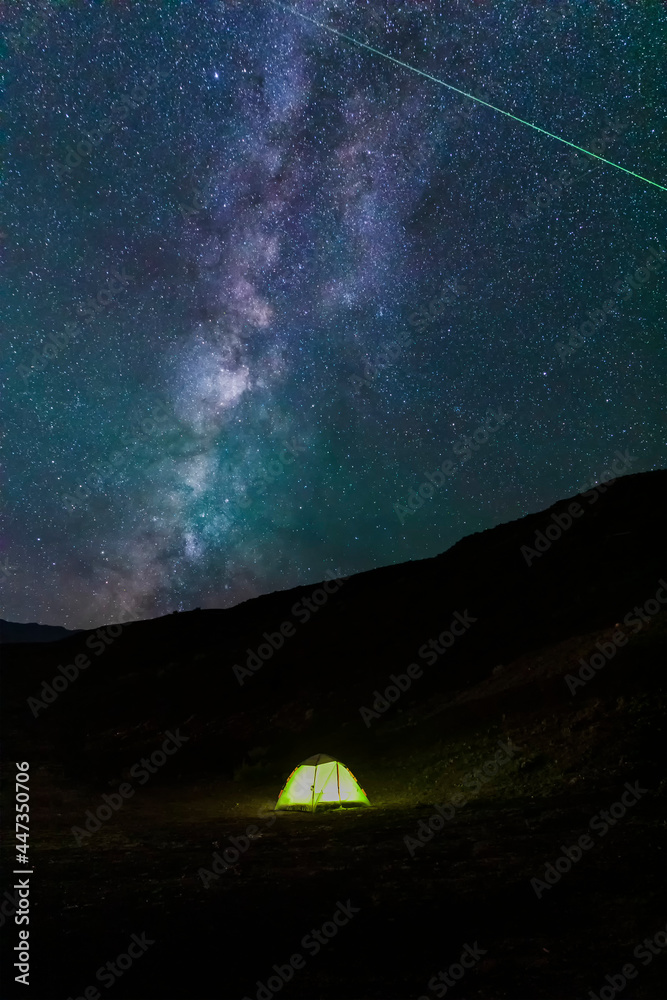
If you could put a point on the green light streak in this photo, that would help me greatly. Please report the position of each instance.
(471, 97)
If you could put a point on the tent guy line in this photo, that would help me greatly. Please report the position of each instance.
(463, 93)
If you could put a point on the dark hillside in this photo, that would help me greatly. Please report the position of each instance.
(159, 673)
(575, 737)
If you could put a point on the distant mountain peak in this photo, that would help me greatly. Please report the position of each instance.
(32, 632)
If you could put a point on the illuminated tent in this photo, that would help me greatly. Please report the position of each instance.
(321, 781)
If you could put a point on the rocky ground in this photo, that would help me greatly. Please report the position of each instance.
(414, 906)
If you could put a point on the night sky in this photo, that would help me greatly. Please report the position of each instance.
(284, 277)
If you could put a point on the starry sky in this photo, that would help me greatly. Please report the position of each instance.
(260, 282)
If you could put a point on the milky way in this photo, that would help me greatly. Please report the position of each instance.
(263, 283)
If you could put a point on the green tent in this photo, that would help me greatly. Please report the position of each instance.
(321, 781)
